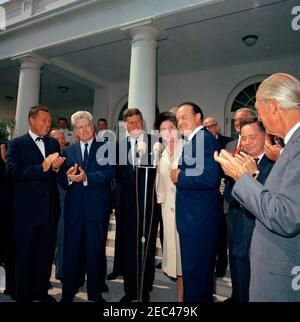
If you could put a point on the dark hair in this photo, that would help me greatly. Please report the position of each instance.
(195, 108)
(165, 116)
(102, 120)
(63, 119)
(34, 110)
(253, 121)
(131, 112)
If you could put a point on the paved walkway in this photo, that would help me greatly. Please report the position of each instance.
(164, 288)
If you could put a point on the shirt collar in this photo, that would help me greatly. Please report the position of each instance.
(139, 139)
(33, 135)
(82, 144)
(260, 157)
(194, 132)
(291, 132)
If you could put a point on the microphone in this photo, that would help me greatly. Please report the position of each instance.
(140, 151)
(157, 148)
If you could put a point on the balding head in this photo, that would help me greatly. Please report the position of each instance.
(212, 125)
(59, 136)
(243, 114)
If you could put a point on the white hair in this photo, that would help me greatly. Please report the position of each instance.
(284, 88)
(81, 115)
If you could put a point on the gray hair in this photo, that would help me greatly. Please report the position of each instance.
(81, 115)
(284, 88)
(250, 111)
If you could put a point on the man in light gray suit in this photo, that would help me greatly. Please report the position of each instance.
(275, 247)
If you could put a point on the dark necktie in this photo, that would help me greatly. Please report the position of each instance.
(135, 153)
(39, 138)
(256, 160)
(85, 155)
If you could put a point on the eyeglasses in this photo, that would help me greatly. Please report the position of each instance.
(212, 125)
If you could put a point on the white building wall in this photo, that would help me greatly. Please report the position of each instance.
(210, 89)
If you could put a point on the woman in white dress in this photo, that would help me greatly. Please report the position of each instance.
(166, 196)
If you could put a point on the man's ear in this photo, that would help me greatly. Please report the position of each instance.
(274, 106)
(29, 120)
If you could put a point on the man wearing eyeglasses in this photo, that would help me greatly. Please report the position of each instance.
(213, 127)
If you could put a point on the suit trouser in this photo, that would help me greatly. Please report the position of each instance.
(117, 268)
(198, 262)
(35, 247)
(83, 253)
(222, 261)
(240, 277)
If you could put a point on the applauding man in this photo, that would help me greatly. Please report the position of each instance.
(87, 181)
(32, 162)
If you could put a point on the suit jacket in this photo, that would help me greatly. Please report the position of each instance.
(223, 140)
(35, 191)
(95, 197)
(241, 221)
(198, 184)
(275, 247)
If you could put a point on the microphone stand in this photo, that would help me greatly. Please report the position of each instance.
(143, 238)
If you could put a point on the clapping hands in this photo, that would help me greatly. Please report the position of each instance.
(235, 166)
(53, 160)
(72, 176)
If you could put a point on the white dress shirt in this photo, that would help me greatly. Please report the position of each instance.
(40, 143)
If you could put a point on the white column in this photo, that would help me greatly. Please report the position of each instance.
(142, 81)
(28, 91)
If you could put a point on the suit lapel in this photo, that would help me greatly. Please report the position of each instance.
(47, 146)
(294, 138)
(78, 156)
(35, 149)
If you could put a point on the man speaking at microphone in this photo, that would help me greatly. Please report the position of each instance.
(138, 259)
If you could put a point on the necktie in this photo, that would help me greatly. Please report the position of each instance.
(238, 149)
(135, 153)
(85, 155)
(39, 138)
(256, 160)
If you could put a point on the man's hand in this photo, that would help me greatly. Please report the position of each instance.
(49, 160)
(247, 162)
(3, 152)
(57, 163)
(232, 166)
(71, 173)
(72, 170)
(174, 173)
(272, 151)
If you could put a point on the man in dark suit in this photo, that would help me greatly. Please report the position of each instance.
(86, 177)
(32, 162)
(221, 263)
(138, 266)
(7, 248)
(213, 127)
(197, 181)
(240, 221)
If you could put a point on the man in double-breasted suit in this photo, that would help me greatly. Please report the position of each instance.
(32, 162)
(275, 247)
(86, 177)
(197, 181)
(240, 221)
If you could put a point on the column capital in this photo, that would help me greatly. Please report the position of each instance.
(145, 30)
(31, 61)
